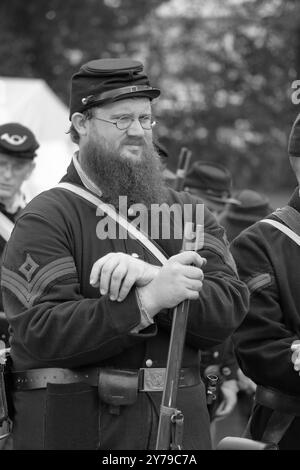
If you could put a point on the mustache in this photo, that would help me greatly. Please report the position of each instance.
(134, 141)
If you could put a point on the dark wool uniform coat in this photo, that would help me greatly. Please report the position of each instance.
(269, 262)
(59, 320)
(4, 335)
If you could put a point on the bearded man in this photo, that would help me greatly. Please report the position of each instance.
(91, 315)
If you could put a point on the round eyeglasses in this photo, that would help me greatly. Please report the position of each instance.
(124, 122)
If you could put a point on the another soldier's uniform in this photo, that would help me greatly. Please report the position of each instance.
(18, 147)
(268, 261)
(212, 182)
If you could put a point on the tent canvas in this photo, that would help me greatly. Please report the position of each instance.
(31, 102)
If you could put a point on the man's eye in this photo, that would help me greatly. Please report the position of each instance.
(125, 119)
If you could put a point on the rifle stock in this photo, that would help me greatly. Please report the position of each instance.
(168, 412)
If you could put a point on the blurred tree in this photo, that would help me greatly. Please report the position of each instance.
(225, 68)
(48, 39)
(226, 72)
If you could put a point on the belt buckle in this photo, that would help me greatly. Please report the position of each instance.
(153, 379)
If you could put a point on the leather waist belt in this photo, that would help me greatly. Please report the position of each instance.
(148, 379)
(277, 401)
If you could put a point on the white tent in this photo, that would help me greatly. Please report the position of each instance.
(32, 103)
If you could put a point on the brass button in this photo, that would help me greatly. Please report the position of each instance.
(149, 363)
(226, 371)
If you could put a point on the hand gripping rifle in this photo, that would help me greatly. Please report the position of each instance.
(170, 426)
(182, 167)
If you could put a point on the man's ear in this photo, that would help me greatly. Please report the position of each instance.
(30, 168)
(80, 123)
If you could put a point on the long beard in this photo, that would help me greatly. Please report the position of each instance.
(141, 181)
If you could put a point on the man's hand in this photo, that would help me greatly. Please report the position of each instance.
(295, 347)
(229, 390)
(116, 273)
(175, 282)
(245, 384)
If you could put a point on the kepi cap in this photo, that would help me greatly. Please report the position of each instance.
(18, 141)
(106, 80)
(253, 207)
(212, 182)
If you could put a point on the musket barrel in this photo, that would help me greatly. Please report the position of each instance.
(182, 167)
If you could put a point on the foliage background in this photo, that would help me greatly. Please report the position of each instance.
(225, 69)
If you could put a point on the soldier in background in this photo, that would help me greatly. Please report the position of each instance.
(267, 256)
(236, 218)
(18, 147)
(212, 182)
(252, 207)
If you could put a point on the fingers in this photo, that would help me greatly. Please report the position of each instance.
(107, 277)
(227, 408)
(195, 285)
(116, 279)
(296, 360)
(192, 272)
(192, 295)
(220, 410)
(96, 269)
(189, 257)
(115, 274)
(128, 282)
(295, 347)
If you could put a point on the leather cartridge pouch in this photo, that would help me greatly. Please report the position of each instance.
(118, 387)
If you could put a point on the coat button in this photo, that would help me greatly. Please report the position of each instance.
(149, 363)
(135, 255)
(226, 371)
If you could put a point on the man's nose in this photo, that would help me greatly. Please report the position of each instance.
(8, 171)
(135, 128)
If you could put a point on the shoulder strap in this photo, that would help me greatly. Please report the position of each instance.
(289, 216)
(284, 229)
(109, 210)
(6, 227)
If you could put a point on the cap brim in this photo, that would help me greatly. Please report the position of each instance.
(224, 200)
(251, 218)
(151, 94)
